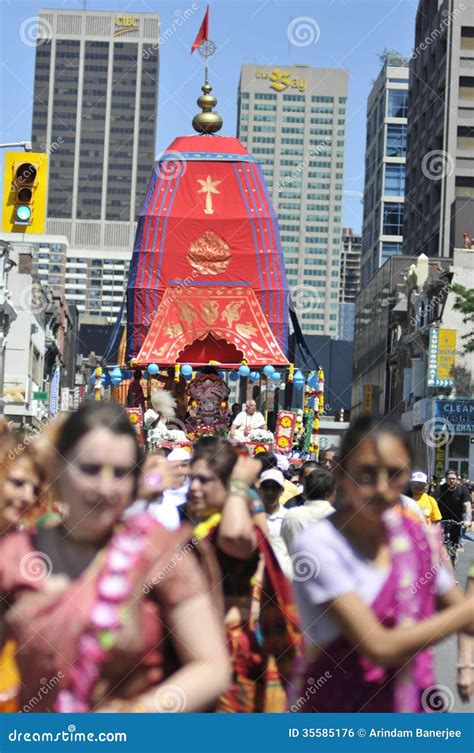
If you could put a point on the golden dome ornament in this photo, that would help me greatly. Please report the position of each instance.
(207, 121)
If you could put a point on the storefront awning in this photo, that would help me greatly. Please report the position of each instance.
(196, 324)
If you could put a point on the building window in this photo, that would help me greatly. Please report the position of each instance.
(396, 141)
(466, 87)
(394, 180)
(392, 219)
(397, 103)
(325, 99)
(464, 187)
(390, 249)
(465, 137)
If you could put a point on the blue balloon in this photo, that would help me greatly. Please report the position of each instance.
(187, 370)
(268, 370)
(298, 380)
(221, 374)
(244, 371)
(116, 376)
(105, 379)
(254, 376)
(275, 377)
(234, 376)
(127, 374)
(153, 369)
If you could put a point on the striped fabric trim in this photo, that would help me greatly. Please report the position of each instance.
(206, 157)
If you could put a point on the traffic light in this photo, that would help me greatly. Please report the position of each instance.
(24, 192)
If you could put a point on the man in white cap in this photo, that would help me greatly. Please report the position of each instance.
(270, 488)
(428, 504)
(271, 485)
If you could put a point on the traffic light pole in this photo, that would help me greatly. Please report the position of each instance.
(7, 315)
(25, 144)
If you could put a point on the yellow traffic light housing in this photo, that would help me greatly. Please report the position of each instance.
(24, 192)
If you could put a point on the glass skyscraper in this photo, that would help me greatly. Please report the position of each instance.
(293, 119)
(94, 112)
(385, 158)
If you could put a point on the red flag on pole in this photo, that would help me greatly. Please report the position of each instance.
(203, 33)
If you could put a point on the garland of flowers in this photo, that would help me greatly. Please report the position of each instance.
(114, 588)
(313, 409)
(207, 431)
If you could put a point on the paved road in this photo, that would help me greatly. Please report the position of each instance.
(446, 652)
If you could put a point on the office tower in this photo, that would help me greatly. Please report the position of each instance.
(385, 154)
(440, 152)
(94, 112)
(293, 120)
(351, 247)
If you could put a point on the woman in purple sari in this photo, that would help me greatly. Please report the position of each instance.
(368, 581)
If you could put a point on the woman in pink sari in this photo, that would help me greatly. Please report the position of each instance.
(115, 616)
(368, 581)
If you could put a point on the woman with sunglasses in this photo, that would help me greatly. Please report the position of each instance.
(373, 580)
(120, 617)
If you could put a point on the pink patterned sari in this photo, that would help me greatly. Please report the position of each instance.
(340, 680)
(61, 645)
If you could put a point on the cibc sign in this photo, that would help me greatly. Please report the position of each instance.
(125, 25)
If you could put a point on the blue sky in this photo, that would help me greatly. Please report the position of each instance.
(352, 35)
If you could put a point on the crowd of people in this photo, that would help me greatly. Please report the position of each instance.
(220, 582)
